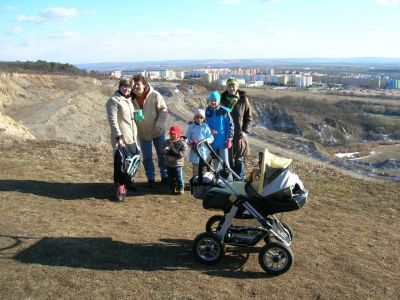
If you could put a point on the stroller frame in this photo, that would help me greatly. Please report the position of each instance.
(275, 257)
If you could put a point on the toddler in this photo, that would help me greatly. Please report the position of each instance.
(174, 150)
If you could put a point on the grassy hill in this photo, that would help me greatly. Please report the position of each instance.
(62, 237)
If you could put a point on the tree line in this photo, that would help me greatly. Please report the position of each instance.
(41, 67)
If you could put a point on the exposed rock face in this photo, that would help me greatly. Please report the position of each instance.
(277, 119)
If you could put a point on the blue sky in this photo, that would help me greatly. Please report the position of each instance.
(107, 31)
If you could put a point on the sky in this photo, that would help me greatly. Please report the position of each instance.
(77, 31)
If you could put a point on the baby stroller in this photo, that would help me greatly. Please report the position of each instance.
(125, 167)
(276, 190)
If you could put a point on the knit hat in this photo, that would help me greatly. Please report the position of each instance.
(175, 130)
(200, 113)
(125, 81)
(232, 81)
(214, 95)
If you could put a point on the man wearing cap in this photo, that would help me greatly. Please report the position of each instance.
(237, 103)
(151, 126)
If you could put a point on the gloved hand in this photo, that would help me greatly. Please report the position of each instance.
(193, 144)
(228, 144)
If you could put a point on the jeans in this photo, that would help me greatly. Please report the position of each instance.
(175, 177)
(147, 153)
(239, 167)
(223, 154)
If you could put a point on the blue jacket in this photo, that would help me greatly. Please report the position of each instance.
(196, 133)
(219, 120)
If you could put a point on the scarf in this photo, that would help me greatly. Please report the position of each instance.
(231, 99)
(140, 98)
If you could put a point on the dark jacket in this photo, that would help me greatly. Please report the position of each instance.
(242, 118)
(174, 152)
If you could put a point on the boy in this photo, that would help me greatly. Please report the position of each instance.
(174, 151)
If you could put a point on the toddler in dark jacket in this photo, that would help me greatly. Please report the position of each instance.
(174, 150)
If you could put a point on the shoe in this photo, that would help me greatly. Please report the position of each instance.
(164, 180)
(151, 184)
(181, 191)
(120, 192)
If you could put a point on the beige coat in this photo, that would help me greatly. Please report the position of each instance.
(155, 115)
(120, 116)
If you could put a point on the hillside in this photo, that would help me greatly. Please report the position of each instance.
(62, 237)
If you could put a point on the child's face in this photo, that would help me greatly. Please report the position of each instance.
(213, 103)
(198, 120)
(173, 137)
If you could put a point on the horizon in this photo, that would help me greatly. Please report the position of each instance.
(99, 32)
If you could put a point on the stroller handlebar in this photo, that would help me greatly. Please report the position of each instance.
(215, 156)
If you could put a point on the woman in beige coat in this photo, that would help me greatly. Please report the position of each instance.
(120, 114)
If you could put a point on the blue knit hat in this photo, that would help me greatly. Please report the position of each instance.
(214, 95)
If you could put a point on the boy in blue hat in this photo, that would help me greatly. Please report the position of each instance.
(221, 125)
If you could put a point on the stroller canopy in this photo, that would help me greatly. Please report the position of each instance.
(271, 166)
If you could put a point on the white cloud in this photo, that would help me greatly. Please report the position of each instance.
(59, 13)
(378, 29)
(387, 2)
(15, 30)
(63, 34)
(32, 19)
(229, 2)
(270, 1)
(9, 8)
(279, 31)
(272, 16)
(54, 14)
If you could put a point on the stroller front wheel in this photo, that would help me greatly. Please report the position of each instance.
(208, 249)
(275, 258)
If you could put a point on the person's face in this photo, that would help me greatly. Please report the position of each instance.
(213, 103)
(232, 89)
(173, 137)
(138, 87)
(198, 119)
(125, 89)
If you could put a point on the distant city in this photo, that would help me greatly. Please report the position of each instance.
(256, 77)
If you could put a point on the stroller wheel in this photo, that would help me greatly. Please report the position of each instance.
(275, 258)
(214, 223)
(208, 249)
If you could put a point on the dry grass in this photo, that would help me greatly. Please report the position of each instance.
(61, 237)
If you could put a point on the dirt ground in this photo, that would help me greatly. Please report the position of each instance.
(62, 236)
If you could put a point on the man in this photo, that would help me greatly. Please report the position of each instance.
(237, 103)
(151, 126)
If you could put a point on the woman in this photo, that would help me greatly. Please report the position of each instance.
(120, 114)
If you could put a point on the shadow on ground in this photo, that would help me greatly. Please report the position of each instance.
(73, 191)
(106, 254)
